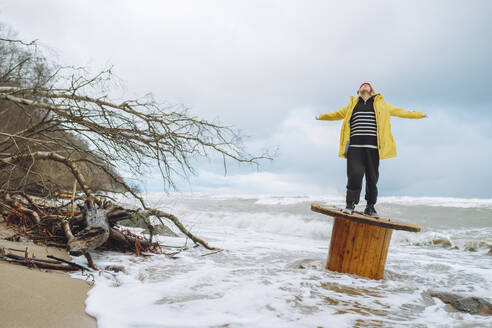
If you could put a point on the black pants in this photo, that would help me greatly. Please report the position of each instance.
(360, 161)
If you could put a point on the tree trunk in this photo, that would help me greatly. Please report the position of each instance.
(95, 234)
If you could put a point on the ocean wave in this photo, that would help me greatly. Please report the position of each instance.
(438, 201)
(261, 222)
(272, 270)
(284, 200)
(432, 238)
(397, 200)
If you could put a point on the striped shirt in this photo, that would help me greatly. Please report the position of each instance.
(363, 126)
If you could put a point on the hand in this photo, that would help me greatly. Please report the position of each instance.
(316, 117)
(425, 115)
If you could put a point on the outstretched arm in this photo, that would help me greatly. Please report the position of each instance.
(400, 112)
(334, 116)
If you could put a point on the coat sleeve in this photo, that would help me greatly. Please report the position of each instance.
(400, 112)
(335, 115)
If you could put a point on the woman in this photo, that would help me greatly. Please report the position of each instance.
(365, 139)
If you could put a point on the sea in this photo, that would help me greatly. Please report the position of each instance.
(271, 270)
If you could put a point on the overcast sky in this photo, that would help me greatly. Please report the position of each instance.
(268, 67)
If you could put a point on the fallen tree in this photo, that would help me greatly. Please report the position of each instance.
(80, 229)
(68, 119)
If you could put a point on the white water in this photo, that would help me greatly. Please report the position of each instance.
(257, 281)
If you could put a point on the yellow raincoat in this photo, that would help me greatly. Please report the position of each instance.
(383, 112)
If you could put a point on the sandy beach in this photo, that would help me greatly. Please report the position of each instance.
(39, 297)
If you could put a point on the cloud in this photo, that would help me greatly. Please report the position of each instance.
(437, 156)
(269, 67)
(258, 183)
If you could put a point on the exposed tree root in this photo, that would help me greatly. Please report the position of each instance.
(83, 228)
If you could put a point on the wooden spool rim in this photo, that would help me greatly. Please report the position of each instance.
(380, 221)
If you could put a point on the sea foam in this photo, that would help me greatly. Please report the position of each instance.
(271, 270)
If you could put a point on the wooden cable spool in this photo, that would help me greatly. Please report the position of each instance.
(359, 243)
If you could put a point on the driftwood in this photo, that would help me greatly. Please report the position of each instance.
(40, 263)
(68, 262)
(127, 240)
(94, 234)
(91, 225)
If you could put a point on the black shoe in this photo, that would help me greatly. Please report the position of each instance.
(350, 208)
(370, 210)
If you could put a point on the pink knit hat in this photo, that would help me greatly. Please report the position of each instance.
(363, 84)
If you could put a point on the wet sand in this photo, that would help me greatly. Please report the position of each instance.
(40, 297)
